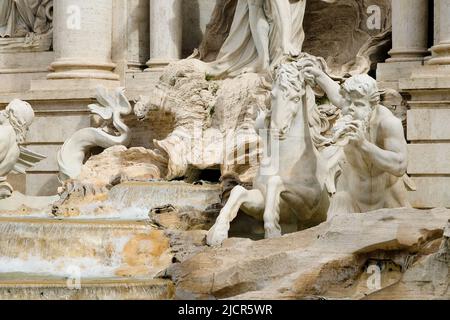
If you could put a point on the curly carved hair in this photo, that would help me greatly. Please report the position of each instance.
(363, 86)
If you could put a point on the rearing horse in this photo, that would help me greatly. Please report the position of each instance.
(296, 191)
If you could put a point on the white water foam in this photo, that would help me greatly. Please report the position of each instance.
(65, 267)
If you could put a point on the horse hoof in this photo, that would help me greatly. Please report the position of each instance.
(272, 232)
(216, 237)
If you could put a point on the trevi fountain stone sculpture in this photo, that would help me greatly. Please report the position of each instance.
(26, 25)
(269, 164)
(15, 121)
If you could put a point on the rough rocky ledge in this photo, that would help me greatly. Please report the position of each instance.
(336, 260)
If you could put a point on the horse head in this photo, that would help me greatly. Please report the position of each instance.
(287, 96)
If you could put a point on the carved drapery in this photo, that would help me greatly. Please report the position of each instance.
(20, 17)
(26, 25)
(338, 32)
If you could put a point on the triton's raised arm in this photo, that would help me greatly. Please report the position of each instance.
(331, 88)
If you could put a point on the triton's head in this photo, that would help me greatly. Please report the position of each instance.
(362, 95)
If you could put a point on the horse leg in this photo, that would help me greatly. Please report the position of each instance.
(272, 211)
(238, 197)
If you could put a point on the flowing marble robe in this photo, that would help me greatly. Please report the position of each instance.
(240, 54)
(19, 17)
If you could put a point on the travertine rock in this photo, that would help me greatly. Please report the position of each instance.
(213, 120)
(331, 260)
(119, 164)
(26, 26)
(429, 278)
(19, 204)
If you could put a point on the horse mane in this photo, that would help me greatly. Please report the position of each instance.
(289, 76)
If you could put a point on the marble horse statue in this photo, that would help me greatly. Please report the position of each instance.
(297, 189)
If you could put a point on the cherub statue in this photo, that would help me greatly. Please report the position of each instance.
(14, 123)
(374, 147)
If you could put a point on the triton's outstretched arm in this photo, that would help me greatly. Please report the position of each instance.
(331, 88)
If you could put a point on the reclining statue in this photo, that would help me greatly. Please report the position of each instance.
(14, 123)
(375, 149)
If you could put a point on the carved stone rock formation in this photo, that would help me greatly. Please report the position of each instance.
(214, 119)
(118, 164)
(100, 173)
(341, 259)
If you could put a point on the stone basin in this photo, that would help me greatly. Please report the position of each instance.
(27, 287)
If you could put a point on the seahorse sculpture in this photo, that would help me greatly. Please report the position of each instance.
(111, 107)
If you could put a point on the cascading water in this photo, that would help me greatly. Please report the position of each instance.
(179, 194)
(98, 249)
(110, 245)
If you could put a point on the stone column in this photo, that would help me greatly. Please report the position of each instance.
(409, 30)
(428, 91)
(82, 40)
(441, 49)
(165, 33)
